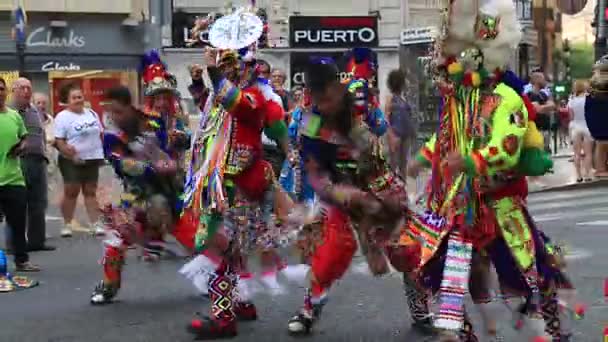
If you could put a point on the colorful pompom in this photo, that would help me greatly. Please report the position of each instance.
(475, 79)
(454, 68)
(533, 138)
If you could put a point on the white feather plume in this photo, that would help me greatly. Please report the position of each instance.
(462, 32)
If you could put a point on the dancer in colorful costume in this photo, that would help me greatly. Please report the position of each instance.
(162, 106)
(149, 205)
(484, 148)
(339, 143)
(236, 189)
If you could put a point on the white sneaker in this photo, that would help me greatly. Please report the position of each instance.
(67, 229)
(99, 228)
(77, 227)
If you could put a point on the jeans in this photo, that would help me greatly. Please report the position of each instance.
(13, 200)
(35, 171)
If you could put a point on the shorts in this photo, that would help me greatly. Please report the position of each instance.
(73, 173)
(578, 129)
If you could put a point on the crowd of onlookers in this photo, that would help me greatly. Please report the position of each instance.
(565, 122)
(37, 146)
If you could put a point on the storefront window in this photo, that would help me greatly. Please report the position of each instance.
(93, 83)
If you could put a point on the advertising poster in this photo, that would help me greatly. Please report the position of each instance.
(299, 61)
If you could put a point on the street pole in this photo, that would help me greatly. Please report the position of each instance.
(19, 36)
(602, 30)
(543, 38)
(21, 58)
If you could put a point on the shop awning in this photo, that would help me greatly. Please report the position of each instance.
(46, 63)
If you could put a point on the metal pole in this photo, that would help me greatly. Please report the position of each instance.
(543, 39)
(21, 58)
(602, 30)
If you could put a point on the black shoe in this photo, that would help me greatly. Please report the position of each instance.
(44, 248)
(102, 294)
(300, 324)
(425, 326)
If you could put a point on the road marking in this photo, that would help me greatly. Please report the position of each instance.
(553, 205)
(570, 215)
(593, 223)
(577, 254)
(54, 218)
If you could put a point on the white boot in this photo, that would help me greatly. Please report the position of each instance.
(297, 274)
(198, 271)
(269, 279)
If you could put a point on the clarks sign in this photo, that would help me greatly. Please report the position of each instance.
(44, 37)
(331, 32)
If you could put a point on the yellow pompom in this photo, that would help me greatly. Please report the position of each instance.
(454, 68)
(475, 79)
(533, 138)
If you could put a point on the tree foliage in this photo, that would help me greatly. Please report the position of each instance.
(581, 61)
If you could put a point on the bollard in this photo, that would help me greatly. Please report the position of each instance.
(3, 263)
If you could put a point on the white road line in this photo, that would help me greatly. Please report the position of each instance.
(568, 215)
(54, 218)
(570, 194)
(577, 254)
(580, 203)
(594, 223)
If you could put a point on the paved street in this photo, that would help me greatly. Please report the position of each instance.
(155, 302)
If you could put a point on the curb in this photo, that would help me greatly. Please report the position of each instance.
(574, 186)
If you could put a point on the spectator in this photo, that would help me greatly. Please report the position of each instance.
(272, 153)
(34, 165)
(197, 89)
(278, 84)
(402, 132)
(13, 193)
(544, 105)
(581, 137)
(297, 94)
(41, 102)
(264, 69)
(564, 124)
(78, 132)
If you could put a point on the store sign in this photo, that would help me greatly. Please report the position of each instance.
(45, 37)
(333, 31)
(299, 61)
(56, 66)
(418, 35)
(182, 23)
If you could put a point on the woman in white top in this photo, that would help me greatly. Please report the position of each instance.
(579, 132)
(78, 134)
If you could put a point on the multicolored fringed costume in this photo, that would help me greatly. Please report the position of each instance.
(162, 107)
(484, 147)
(235, 192)
(148, 208)
(351, 165)
(148, 163)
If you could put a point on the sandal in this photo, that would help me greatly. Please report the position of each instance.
(26, 267)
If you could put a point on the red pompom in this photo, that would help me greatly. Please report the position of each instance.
(529, 107)
(468, 79)
(185, 229)
(152, 71)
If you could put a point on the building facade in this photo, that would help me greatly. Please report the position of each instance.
(95, 44)
(298, 29)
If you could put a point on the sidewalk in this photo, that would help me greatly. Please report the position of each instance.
(562, 178)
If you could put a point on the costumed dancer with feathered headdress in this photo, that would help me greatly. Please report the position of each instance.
(484, 147)
(162, 105)
(143, 150)
(241, 198)
(338, 141)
